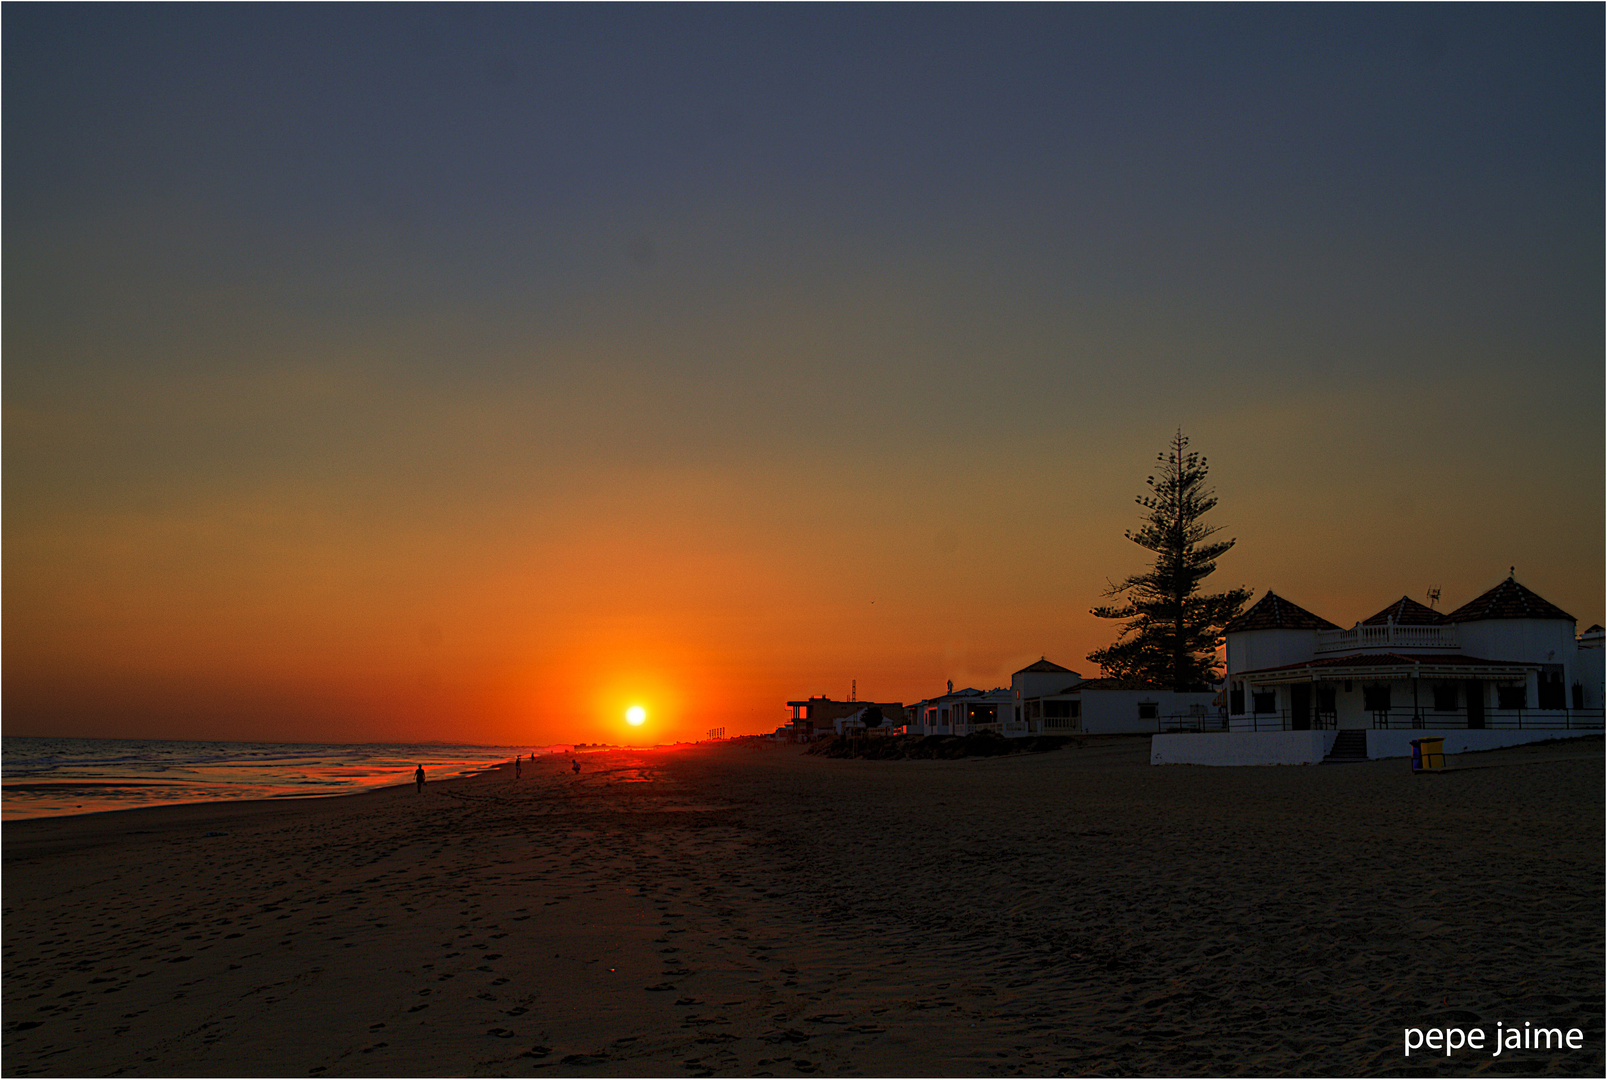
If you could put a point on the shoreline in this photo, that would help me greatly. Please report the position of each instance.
(199, 813)
(40, 793)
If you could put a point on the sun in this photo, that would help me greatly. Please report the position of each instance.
(635, 715)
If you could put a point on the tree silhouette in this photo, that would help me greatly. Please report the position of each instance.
(1172, 628)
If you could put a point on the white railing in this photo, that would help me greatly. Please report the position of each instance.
(1389, 636)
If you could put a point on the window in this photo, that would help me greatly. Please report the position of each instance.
(1148, 710)
(982, 714)
(1236, 699)
(1551, 694)
(1265, 701)
(1511, 697)
(943, 716)
(1375, 698)
(1062, 709)
(1325, 698)
(1445, 697)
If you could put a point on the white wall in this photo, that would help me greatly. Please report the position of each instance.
(1589, 671)
(1397, 744)
(1108, 712)
(1252, 650)
(1310, 747)
(1241, 748)
(1535, 641)
(1031, 684)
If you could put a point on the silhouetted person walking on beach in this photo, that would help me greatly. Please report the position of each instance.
(418, 778)
(516, 758)
(576, 764)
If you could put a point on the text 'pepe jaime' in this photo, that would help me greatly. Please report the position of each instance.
(1528, 1037)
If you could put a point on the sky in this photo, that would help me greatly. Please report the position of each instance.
(473, 373)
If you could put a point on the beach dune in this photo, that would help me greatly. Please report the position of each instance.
(731, 910)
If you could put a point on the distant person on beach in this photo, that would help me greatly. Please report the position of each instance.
(516, 758)
(418, 778)
(575, 764)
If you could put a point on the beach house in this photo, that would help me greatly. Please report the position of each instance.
(1052, 700)
(966, 712)
(1045, 698)
(1504, 668)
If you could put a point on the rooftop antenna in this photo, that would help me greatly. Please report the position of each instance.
(853, 689)
(1433, 597)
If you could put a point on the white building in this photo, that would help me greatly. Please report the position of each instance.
(1052, 700)
(1503, 668)
(1047, 699)
(966, 712)
(1506, 659)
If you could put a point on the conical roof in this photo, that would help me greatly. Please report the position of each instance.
(1407, 612)
(1273, 612)
(1045, 665)
(1508, 600)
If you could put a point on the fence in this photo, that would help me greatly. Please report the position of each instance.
(1410, 719)
(1191, 722)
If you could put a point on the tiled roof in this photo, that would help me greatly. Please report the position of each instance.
(1407, 612)
(1508, 600)
(1046, 665)
(1273, 612)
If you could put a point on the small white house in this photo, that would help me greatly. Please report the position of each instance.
(965, 712)
(1052, 700)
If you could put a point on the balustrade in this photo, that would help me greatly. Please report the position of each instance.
(1389, 636)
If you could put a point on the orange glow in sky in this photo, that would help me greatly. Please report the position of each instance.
(704, 383)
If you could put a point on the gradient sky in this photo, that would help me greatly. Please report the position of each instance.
(473, 373)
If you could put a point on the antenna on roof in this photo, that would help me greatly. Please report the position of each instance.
(1433, 597)
(1512, 572)
(853, 689)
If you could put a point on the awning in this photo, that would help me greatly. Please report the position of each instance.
(1383, 667)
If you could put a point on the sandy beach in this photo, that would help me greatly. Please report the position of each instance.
(728, 910)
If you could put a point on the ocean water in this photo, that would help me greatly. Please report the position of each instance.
(45, 777)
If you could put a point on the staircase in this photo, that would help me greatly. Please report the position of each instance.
(1348, 746)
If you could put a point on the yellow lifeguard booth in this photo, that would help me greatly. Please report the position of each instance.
(1428, 755)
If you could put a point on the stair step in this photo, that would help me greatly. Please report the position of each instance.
(1348, 746)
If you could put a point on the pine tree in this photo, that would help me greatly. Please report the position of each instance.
(1172, 628)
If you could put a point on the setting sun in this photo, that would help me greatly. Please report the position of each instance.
(635, 715)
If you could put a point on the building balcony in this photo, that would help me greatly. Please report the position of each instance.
(1389, 638)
